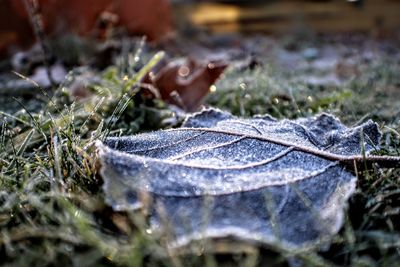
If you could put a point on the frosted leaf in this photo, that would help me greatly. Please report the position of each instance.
(257, 179)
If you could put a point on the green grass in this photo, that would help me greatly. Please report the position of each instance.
(52, 209)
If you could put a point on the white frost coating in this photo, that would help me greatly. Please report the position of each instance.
(258, 179)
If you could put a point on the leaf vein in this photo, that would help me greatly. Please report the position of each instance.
(209, 148)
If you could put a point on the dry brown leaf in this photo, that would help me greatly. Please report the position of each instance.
(186, 83)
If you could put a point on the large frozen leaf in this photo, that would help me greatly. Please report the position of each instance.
(258, 179)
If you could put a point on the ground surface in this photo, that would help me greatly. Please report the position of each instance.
(52, 209)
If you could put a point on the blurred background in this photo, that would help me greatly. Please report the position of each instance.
(158, 18)
(323, 43)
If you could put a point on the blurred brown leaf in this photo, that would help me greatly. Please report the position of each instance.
(186, 84)
(90, 17)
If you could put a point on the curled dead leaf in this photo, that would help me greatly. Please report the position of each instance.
(185, 84)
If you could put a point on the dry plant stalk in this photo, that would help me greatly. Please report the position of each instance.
(33, 9)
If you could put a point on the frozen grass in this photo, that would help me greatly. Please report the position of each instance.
(52, 210)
